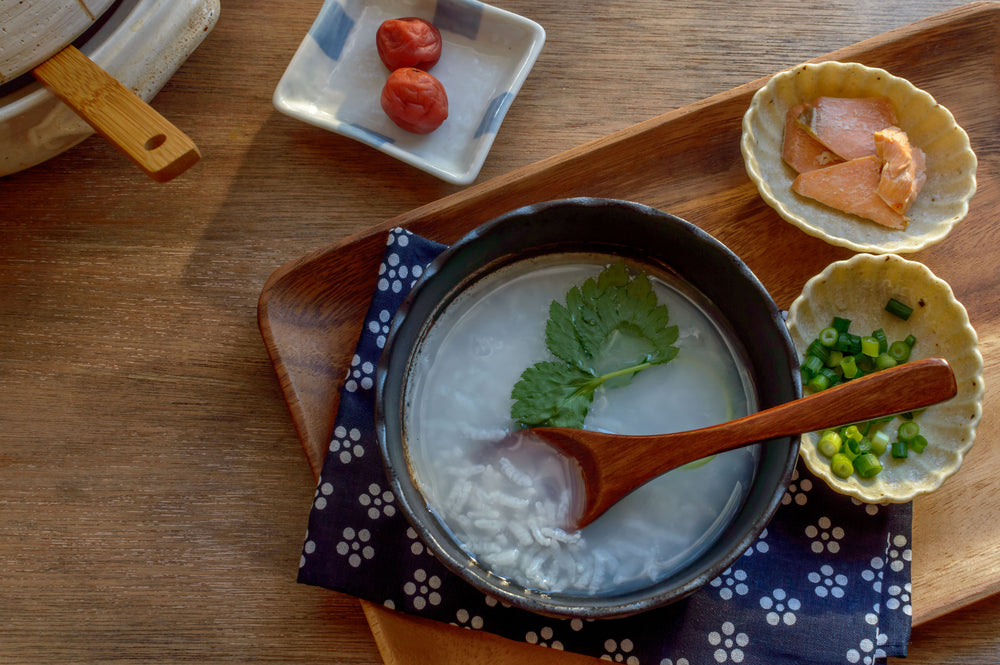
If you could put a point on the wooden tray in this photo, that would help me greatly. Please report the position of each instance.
(688, 162)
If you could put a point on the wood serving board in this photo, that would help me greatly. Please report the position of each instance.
(688, 162)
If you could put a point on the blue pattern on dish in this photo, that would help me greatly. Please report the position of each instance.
(332, 28)
(356, 131)
(462, 18)
(493, 115)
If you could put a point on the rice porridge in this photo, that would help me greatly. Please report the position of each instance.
(508, 505)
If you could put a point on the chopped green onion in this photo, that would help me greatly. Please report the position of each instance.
(848, 343)
(840, 324)
(813, 365)
(831, 375)
(899, 351)
(847, 452)
(885, 361)
(849, 366)
(918, 443)
(867, 465)
(837, 355)
(815, 348)
(819, 383)
(823, 379)
(869, 346)
(898, 309)
(833, 360)
(883, 341)
(852, 433)
(866, 364)
(830, 443)
(880, 442)
(828, 337)
(859, 447)
(841, 465)
(908, 429)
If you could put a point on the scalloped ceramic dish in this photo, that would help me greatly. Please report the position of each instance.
(951, 164)
(335, 79)
(858, 289)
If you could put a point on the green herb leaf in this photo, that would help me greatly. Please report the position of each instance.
(553, 393)
(610, 328)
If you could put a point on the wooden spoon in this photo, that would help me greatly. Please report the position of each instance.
(615, 464)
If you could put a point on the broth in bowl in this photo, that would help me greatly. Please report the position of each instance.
(506, 499)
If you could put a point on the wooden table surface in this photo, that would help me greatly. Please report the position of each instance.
(153, 491)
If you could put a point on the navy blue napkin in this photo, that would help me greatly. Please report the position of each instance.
(828, 581)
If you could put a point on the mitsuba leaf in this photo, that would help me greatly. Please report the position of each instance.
(561, 338)
(587, 335)
(553, 393)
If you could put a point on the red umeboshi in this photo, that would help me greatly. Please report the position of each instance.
(414, 100)
(408, 42)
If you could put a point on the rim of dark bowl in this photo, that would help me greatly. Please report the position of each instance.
(640, 233)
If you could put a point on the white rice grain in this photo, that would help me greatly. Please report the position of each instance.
(514, 474)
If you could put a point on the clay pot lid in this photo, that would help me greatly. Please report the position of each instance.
(32, 31)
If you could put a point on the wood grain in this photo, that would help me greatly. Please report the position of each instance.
(153, 489)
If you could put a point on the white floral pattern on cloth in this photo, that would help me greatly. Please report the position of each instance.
(361, 375)
(824, 535)
(830, 583)
(543, 638)
(356, 546)
(825, 564)
(798, 490)
(423, 589)
(729, 644)
(465, 620)
(378, 501)
(733, 581)
(620, 652)
(346, 444)
(780, 608)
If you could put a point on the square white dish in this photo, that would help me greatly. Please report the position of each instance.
(335, 79)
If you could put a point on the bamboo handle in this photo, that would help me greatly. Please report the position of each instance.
(118, 114)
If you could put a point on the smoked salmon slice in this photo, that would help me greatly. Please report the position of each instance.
(847, 125)
(800, 150)
(903, 167)
(852, 187)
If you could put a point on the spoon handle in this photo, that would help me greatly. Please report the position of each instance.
(906, 387)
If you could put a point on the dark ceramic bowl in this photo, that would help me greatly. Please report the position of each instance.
(648, 236)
